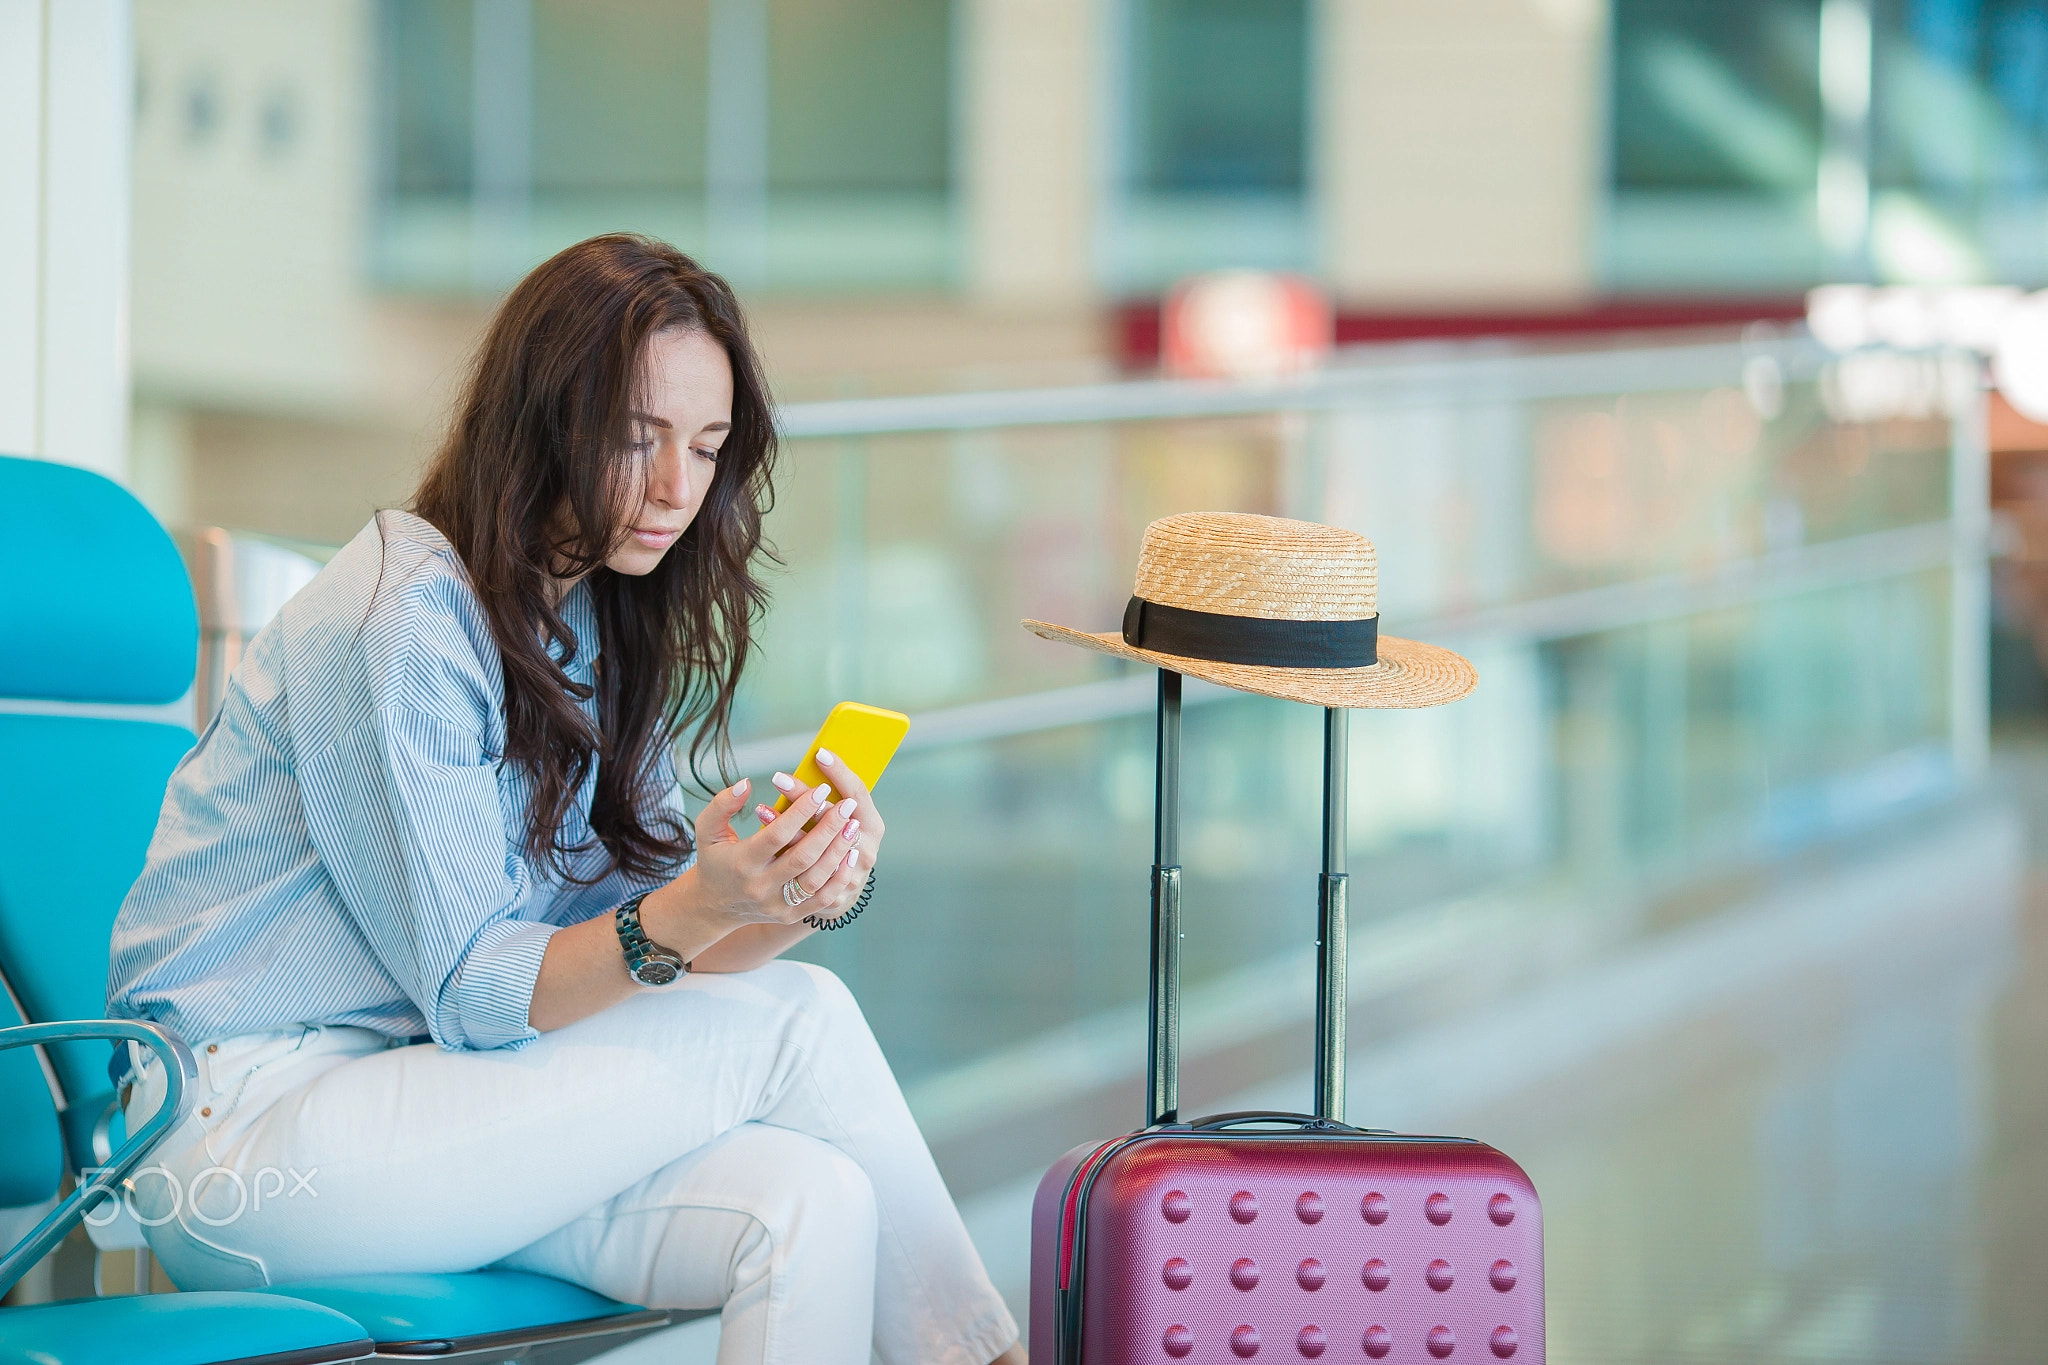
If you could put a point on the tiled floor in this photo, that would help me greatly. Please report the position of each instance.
(1813, 1126)
(1846, 1162)
(1808, 1125)
(1835, 1172)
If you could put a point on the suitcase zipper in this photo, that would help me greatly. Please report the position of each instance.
(1070, 1214)
(1074, 1223)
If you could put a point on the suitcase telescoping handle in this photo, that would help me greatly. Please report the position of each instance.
(1332, 921)
(1163, 1013)
(1162, 1069)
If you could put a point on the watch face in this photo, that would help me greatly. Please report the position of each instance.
(655, 972)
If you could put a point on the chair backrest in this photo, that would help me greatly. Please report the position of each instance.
(98, 634)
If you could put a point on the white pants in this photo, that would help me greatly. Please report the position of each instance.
(733, 1140)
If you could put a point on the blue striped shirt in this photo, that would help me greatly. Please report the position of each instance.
(343, 846)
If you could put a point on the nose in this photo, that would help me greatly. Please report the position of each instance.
(668, 480)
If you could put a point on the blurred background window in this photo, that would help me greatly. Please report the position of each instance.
(1959, 139)
(1774, 143)
(861, 95)
(807, 143)
(425, 91)
(1716, 96)
(1219, 95)
(1211, 169)
(1961, 98)
(1716, 136)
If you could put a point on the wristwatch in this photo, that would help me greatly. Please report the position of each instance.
(649, 962)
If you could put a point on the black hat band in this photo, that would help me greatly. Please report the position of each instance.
(1254, 640)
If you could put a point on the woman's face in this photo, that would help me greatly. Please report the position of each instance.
(675, 441)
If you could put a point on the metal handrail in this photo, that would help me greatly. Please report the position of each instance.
(180, 1069)
(1890, 553)
(1397, 375)
(1385, 375)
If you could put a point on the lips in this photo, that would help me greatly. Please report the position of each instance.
(655, 538)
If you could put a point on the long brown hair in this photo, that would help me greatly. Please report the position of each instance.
(530, 485)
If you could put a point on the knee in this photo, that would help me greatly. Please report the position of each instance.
(826, 987)
(834, 1183)
(810, 988)
(813, 1196)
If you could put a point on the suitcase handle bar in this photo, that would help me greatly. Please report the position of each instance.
(1162, 1065)
(1216, 1123)
(1162, 1069)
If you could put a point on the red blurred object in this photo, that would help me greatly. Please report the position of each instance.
(1243, 324)
(2019, 494)
(1139, 324)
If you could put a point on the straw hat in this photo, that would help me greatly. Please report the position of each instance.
(1282, 608)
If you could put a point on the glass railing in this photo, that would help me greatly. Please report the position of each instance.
(1712, 618)
(1718, 609)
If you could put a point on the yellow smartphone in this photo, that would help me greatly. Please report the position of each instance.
(862, 737)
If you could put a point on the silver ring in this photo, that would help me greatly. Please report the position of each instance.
(794, 895)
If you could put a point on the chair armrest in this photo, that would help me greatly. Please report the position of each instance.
(103, 1131)
(94, 1185)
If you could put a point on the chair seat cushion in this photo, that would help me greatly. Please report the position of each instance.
(179, 1329)
(400, 1307)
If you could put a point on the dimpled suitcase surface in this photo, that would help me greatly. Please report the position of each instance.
(1282, 1236)
(1228, 1246)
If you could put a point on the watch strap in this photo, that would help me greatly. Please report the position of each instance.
(649, 962)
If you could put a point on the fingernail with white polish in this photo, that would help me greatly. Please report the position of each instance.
(827, 757)
(785, 782)
(853, 860)
(848, 807)
(739, 788)
(824, 794)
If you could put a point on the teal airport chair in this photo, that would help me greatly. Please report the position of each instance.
(143, 1329)
(98, 643)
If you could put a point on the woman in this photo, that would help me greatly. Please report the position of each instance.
(401, 889)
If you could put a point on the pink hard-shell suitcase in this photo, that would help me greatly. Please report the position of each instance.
(1287, 1236)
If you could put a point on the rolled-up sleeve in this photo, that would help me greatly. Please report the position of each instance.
(405, 811)
(493, 988)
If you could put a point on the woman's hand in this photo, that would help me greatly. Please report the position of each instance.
(725, 914)
(739, 881)
(849, 785)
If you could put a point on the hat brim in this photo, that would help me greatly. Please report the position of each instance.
(1409, 674)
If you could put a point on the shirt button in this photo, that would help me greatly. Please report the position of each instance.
(213, 1047)
(206, 1113)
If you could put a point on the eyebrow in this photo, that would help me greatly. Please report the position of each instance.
(651, 420)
